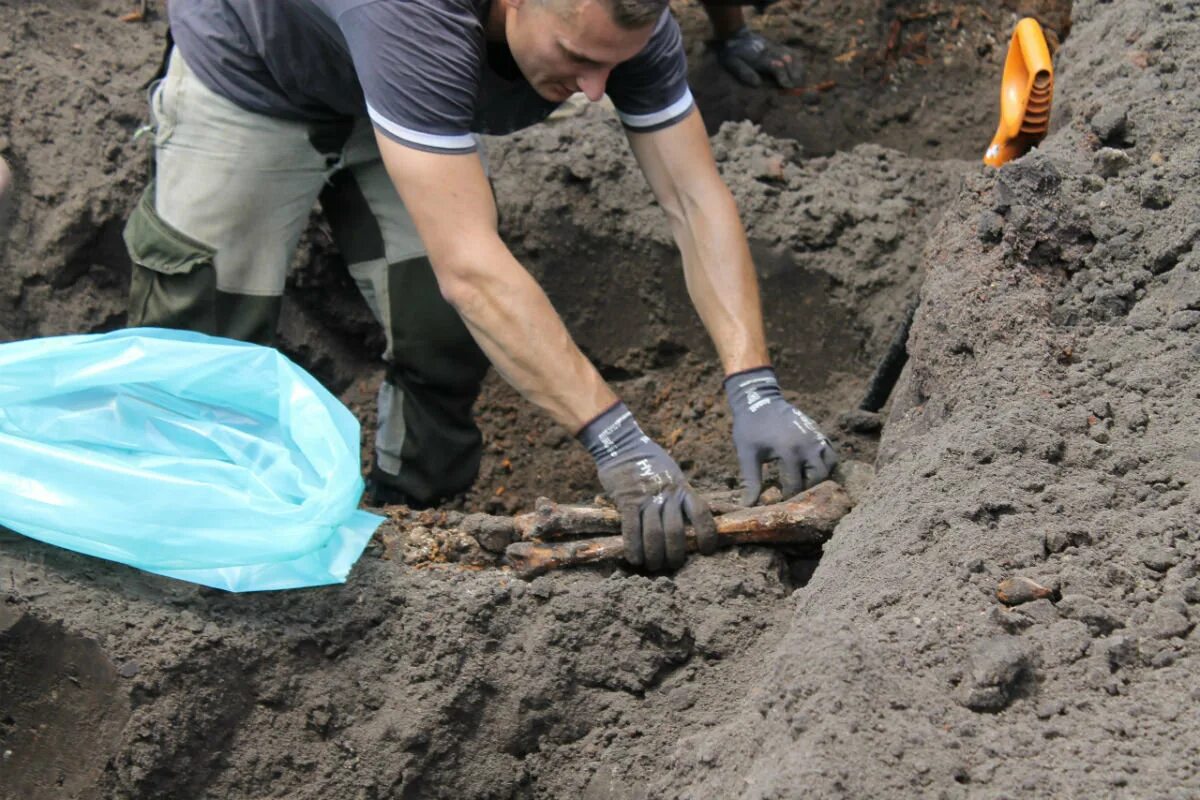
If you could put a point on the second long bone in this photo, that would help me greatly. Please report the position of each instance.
(551, 521)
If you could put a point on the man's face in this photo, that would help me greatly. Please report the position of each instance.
(568, 46)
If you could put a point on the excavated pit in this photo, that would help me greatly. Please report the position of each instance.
(1046, 427)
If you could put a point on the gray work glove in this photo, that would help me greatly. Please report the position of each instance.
(650, 491)
(749, 56)
(767, 427)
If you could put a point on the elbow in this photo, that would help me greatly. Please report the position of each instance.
(459, 281)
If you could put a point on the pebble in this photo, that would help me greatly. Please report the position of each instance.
(998, 666)
(1111, 124)
(1183, 320)
(991, 226)
(1017, 590)
(1166, 622)
(1057, 540)
(1121, 651)
(1109, 162)
(542, 588)
(1158, 558)
(1155, 195)
(1100, 620)
(682, 698)
(1050, 708)
(129, 669)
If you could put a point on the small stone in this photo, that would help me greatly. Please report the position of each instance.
(1017, 590)
(1050, 708)
(542, 588)
(1180, 245)
(1183, 320)
(998, 667)
(1190, 591)
(1111, 124)
(1164, 659)
(1155, 195)
(682, 698)
(769, 168)
(1100, 620)
(1167, 622)
(1158, 558)
(991, 226)
(1109, 162)
(1121, 651)
(1041, 612)
(129, 669)
(555, 437)
(1009, 620)
(1057, 540)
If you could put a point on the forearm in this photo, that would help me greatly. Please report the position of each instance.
(678, 163)
(720, 276)
(514, 323)
(505, 310)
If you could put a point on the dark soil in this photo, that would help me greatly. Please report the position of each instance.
(1046, 427)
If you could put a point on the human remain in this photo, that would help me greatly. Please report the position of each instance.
(374, 108)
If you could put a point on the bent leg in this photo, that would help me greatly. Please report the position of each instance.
(214, 232)
(427, 446)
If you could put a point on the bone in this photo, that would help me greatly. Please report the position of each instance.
(808, 518)
(554, 521)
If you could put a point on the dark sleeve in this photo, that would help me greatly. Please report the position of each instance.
(650, 91)
(419, 64)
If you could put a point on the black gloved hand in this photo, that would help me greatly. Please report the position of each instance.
(649, 489)
(749, 55)
(766, 427)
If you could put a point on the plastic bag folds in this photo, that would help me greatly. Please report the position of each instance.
(204, 459)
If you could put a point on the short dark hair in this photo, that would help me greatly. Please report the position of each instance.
(634, 14)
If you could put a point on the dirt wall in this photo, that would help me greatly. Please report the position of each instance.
(1046, 427)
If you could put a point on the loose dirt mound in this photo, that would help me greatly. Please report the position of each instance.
(1046, 427)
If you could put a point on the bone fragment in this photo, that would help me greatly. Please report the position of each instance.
(808, 518)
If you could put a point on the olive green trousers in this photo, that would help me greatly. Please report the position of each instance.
(215, 231)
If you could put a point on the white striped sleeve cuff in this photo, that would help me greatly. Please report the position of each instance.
(657, 120)
(432, 142)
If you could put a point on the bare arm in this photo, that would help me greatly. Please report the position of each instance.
(502, 305)
(704, 220)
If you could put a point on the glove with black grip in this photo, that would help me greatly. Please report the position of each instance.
(649, 489)
(767, 427)
(749, 56)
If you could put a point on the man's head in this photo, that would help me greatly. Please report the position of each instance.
(565, 46)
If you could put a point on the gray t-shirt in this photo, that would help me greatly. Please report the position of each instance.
(421, 69)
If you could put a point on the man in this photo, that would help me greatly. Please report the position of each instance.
(372, 105)
(745, 54)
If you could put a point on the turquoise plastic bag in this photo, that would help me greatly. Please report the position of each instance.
(205, 459)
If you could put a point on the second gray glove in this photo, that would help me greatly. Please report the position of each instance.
(749, 56)
(649, 489)
(767, 427)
